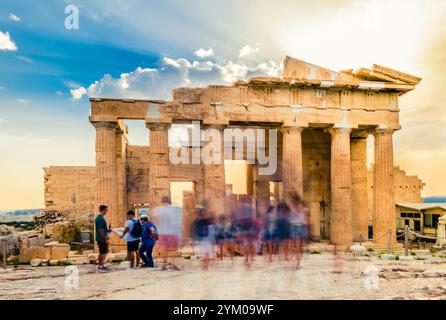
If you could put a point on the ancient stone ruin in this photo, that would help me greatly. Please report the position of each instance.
(322, 117)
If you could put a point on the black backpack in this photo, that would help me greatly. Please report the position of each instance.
(136, 231)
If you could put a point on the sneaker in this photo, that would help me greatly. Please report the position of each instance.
(164, 267)
(100, 269)
(103, 269)
(174, 267)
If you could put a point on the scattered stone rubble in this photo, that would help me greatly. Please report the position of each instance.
(6, 230)
(47, 217)
(54, 224)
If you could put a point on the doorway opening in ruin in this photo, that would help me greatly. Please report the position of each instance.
(275, 192)
(238, 179)
(178, 190)
(182, 194)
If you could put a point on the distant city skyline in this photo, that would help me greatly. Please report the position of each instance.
(144, 49)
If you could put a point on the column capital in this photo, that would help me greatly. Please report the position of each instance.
(158, 126)
(111, 125)
(385, 130)
(288, 127)
(338, 129)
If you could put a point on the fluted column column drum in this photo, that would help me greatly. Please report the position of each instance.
(214, 173)
(383, 187)
(159, 178)
(106, 170)
(341, 213)
(358, 149)
(292, 176)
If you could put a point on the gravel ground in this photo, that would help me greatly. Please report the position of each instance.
(321, 276)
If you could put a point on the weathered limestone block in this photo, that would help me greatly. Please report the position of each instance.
(54, 263)
(36, 263)
(59, 251)
(77, 260)
(28, 254)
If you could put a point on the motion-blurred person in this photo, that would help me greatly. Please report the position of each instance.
(269, 232)
(149, 238)
(225, 236)
(283, 229)
(298, 224)
(204, 234)
(168, 219)
(246, 223)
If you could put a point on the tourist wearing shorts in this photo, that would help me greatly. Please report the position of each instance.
(101, 236)
(132, 234)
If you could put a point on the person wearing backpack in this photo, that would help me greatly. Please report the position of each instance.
(132, 235)
(149, 238)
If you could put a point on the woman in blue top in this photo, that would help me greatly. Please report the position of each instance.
(149, 238)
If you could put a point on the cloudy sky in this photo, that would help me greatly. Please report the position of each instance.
(143, 49)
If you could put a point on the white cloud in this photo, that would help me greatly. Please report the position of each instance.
(13, 17)
(248, 50)
(78, 93)
(144, 83)
(59, 93)
(22, 101)
(6, 43)
(2, 120)
(202, 53)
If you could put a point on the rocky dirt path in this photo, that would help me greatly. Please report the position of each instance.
(321, 276)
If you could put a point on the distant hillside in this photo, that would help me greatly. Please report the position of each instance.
(435, 199)
(18, 215)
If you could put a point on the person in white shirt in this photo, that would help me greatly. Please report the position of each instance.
(132, 236)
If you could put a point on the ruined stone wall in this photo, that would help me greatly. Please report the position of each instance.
(137, 175)
(316, 148)
(71, 190)
(407, 188)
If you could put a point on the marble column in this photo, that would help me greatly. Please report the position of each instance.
(341, 210)
(383, 186)
(159, 177)
(360, 221)
(106, 170)
(121, 163)
(214, 174)
(292, 176)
